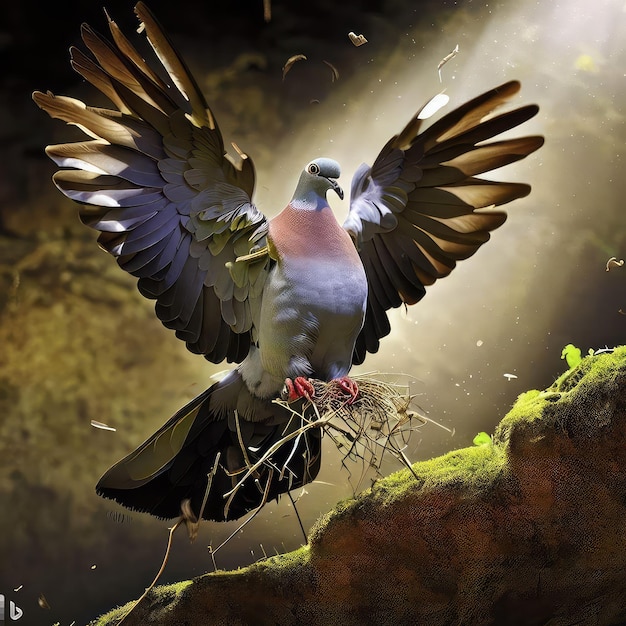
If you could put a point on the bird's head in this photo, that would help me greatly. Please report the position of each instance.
(318, 177)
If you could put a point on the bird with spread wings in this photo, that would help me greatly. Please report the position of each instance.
(288, 299)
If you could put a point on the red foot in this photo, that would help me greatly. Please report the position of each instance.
(300, 387)
(349, 387)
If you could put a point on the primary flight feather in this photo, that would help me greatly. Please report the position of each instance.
(288, 299)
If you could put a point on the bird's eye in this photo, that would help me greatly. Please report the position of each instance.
(313, 168)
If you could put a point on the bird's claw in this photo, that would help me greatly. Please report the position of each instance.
(300, 387)
(348, 387)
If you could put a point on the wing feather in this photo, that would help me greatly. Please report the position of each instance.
(103, 158)
(153, 260)
(155, 181)
(421, 207)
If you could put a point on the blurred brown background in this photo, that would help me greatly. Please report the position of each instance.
(77, 342)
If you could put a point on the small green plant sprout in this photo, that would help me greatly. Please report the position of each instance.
(483, 439)
(572, 355)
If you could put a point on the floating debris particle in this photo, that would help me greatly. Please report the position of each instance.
(613, 262)
(585, 63)
(334, 70)
(314, 101)
(94, 566)
(357, 40)
(290, 61)
(479, 343)
(17, 588)
(447, 58)
(267, 10)
(509, 376)
(42, 602)
(621, 312)
(102, 426)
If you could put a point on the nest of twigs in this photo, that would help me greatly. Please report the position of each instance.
(377, 423)
(366, 429)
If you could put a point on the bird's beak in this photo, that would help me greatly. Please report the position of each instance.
(336, 188)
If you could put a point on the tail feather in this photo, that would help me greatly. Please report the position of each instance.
(176, 462)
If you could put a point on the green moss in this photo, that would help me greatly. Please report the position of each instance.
(282, 562)
(175, 588)
(112, 617)
(528, 408)
(592, 374)
(593, 368)
(164, 596)
(274, 565)
(473, 467)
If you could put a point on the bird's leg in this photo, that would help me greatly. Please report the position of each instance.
(349, 387)
(300, 387)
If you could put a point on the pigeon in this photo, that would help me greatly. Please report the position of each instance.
(289, 300)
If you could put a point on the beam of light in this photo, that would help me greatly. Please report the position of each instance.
(511, 307)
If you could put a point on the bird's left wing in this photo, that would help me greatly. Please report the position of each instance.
(419, 209)
(156, 182)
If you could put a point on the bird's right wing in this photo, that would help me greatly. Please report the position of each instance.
(155, 180)
(421, 208)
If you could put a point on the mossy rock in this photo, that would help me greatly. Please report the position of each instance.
(526, 530)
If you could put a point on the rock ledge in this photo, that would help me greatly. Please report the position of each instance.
(527, 530)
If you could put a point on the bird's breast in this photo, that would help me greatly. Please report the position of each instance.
(315, 296)
(310, 234)
(318, 268)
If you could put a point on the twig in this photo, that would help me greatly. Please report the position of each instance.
(189, 517)
(240, 439)
(210, 476)
(279, 444)
(161, 569)
(192, 527)
(293, 503)
(250, 518)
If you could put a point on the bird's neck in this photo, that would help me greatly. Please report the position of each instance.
(307, 198)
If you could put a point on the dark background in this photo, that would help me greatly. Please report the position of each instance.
(78, 343)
